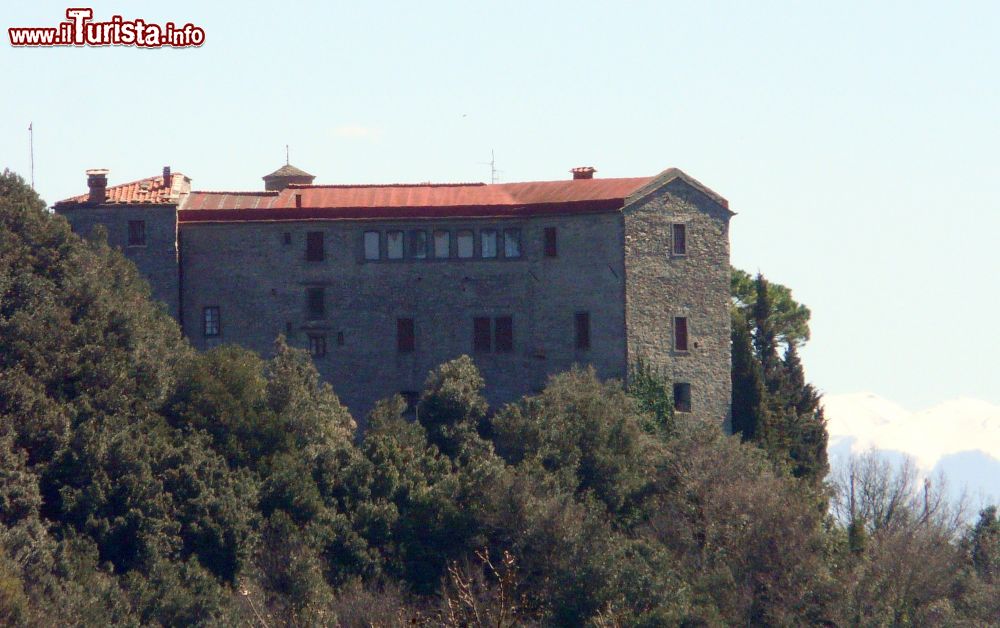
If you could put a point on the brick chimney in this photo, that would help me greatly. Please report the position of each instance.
(97, 181)
(584, 172)
(166, 176)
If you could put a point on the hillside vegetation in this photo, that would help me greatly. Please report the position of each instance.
(143, 483)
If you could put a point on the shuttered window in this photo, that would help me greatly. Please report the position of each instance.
(314, 246)
(582, 330)
(405, 338)
(481, 341)
(504, 330)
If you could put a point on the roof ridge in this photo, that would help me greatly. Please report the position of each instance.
(306, 186)
(254, 193)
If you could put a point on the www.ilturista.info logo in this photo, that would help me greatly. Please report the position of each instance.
(80, 30)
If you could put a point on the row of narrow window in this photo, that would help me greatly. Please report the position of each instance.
(491, 243)
(496, 334)
(488, 335)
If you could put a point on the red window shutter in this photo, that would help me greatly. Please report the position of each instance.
(680, 240)
(681, 333)
(405, 338)
(314, 246)
(551, 245)
(505, 334)
(481, 334)
(583, 330)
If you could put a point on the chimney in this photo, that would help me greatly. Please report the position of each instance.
(584, 172)
(97, 181)
(166, 176)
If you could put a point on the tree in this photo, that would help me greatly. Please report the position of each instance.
(789, 319)
(772, 404)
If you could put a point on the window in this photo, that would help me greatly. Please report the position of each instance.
(394, 245)
(488, 243)
(212, 321)
(317, 345)
(550, 242)
(286, 238)
(315, 304)
(511, 243)
(680, 240)
(412, 398)
(442, 244)
(582, 330)
(137, 233)
(682, 397)
(465, 243)
(340, 339)
(405, 340)
(314, 246)
(481, 335)
(372, 244)
(418, 244)
(680, 333)
(504, 334)
(288, 330)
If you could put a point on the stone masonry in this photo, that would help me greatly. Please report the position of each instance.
(238, 268)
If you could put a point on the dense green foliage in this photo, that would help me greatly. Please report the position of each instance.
(773, 406)
(142, 483)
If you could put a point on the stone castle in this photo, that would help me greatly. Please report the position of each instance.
(382, 283)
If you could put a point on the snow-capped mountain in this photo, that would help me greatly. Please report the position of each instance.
(960, 438)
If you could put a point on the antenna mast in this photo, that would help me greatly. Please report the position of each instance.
(286, 154)
(31, 151)
(492, 163)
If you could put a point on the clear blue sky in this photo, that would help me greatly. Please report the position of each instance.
(858, 142)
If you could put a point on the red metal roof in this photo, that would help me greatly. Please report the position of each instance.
(149, 191)
(429, 200)
(393, 201)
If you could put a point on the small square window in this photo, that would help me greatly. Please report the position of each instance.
(442, 244)
(315, 304)
(212, 321)
(465, 243)
(682, 397)
(481, 341)
(418, 244)
(679, 239)
(488, 243)
(372, 245)
(314, 246)
(551, 245)
(317, 345)
(680, 333)
(405, 337)
(511, 243)
(137, 233)
(394, 244)
(582, 330)
(504, 328)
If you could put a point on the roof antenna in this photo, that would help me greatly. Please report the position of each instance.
(286, 154)
(492, 163)
(31, 151)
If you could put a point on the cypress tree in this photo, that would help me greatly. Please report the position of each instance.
(749, 395)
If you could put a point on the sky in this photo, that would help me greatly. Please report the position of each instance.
(856, 141)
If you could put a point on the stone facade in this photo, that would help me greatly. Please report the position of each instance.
(615, 277)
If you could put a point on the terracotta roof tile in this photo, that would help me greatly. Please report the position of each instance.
(150, 191)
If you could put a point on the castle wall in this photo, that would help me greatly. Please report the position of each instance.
(156, 259)
(661, 285)
(260, 284)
